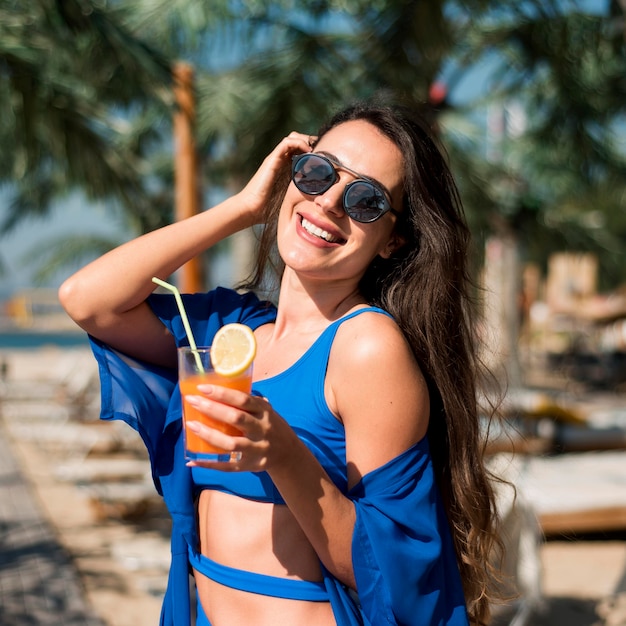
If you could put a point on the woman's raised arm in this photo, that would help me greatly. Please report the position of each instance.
(107, 297)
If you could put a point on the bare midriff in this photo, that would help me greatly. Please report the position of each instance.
(256, 537)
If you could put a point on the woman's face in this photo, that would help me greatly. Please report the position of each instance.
(316, 237)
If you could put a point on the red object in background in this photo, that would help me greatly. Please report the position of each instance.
(437, 93)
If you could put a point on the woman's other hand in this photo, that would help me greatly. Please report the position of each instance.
(265, 434)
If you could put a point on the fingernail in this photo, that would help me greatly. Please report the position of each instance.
(206, 389)
(193, 426)
(193, 400)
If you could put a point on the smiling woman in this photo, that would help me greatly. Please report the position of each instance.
(355, 493)
(340, 204)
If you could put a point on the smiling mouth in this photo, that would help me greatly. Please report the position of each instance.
(316, 231)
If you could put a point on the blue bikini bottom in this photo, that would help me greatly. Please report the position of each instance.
(252, 582)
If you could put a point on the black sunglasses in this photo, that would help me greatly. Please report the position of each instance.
(363, 200)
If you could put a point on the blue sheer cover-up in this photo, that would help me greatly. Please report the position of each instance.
(403, 557)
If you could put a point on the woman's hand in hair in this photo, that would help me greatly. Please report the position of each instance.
(254, 197)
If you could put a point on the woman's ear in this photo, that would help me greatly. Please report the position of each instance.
(395, 242)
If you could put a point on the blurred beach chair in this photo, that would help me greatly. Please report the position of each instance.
(103, 470)
(571, 494)
(577, 492)
(51, 398)
(144, 553)
(106, 461)
(67, 378)
(115, 486)
(520, 564)
(69, 440)
(127, 500)
(34, 411)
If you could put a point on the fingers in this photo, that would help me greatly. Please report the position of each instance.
(296, 143)
(232, 446)
(217, 410)
(256, 193)
(245, 413)
(225, 395)
(309, 140)
(212, 435)
(232, 407)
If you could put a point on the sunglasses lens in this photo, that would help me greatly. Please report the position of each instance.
(313, 175)
(364, 202)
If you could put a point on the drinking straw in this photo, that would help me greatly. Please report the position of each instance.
(183, 316)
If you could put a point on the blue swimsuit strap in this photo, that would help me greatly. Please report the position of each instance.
(261, 584)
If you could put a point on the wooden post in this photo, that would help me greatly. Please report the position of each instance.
(186, 168)
(501, 281)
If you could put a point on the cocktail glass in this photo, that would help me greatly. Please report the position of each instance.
(195, 368)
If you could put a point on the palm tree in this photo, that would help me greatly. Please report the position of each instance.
(77, 89)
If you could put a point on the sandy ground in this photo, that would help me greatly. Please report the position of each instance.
(120, 546)
(121, 549)
(119, 561)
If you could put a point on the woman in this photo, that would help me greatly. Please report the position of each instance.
(359, 495)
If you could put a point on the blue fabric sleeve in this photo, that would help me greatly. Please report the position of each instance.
(207, 312)
(136, 393)
(404, 561)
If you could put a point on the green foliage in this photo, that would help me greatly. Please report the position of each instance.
(86, 101)
(559, 181)
(76, 85)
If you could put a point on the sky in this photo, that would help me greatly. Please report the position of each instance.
(74, 215)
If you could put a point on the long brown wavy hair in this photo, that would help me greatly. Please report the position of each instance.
(427, 287)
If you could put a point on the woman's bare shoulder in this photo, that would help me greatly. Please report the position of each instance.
(377, 389)
(371, 335)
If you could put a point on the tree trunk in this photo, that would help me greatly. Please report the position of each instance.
(501, 318)
(190, 278)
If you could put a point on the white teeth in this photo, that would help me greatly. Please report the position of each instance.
(318, 232)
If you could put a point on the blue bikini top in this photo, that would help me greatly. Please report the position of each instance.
(297, 394)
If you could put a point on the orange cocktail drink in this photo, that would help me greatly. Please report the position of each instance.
(195, 368)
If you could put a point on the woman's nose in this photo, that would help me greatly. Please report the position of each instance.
(331, 201)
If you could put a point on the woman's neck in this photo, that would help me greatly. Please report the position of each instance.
(309, 306)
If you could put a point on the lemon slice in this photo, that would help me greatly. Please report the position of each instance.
(233, 349)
